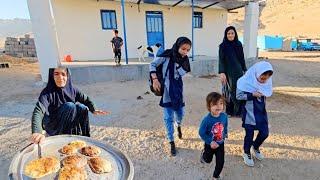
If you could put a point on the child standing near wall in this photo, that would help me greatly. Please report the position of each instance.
(253, 88)
(116, 44)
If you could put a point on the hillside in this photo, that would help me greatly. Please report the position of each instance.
(285, 17)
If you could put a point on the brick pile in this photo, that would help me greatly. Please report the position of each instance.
(20, 47)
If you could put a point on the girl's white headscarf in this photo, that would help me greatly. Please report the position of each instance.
(249, 83)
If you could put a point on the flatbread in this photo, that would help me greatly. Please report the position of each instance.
(78, 144)
(41, 167)
(74, 160)
(72, 173)
(72, 147)
(90, 151)
(99, 165)
(68, 150)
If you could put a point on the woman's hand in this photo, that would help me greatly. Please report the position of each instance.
(99, 112)
(214, 145)
(37, 138)
(156, 85)
(223, 78)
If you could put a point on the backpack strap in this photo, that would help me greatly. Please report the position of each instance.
(165, 75)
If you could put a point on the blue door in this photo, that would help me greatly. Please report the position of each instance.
(154, 23)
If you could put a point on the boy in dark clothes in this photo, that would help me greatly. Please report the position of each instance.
(116, 44)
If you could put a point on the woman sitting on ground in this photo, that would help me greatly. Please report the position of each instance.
(61, 108)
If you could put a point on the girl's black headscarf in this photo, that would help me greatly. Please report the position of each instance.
(174, 54)
(232, 47)
(52, 96)
(176, 84)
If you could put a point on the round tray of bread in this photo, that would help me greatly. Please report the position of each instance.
(70, 157)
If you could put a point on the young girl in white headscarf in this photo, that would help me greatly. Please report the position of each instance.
(253, 88)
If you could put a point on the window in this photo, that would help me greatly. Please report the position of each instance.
(108, 19)
(154, 21)
(197, 19)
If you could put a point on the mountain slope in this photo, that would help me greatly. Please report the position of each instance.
(285, 17)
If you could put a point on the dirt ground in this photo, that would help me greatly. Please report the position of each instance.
(136, 127)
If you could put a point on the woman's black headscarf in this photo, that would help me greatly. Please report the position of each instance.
(174, 54)
(225, 39)
(52, 96)
(232, 47)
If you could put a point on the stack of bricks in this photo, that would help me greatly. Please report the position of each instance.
(22, 47)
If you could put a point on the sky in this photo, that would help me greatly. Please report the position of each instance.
(10, 9)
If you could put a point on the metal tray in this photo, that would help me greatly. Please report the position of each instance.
(122, 165)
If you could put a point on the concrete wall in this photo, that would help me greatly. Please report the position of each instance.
(92, 74)
(78, 25)
(202, 66)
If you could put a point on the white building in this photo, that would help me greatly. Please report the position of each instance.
(83, 28)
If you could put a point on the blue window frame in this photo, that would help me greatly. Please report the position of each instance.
(108, 19)
(154, 21)
(197, 19)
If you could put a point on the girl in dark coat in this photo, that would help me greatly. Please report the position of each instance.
(175, 64)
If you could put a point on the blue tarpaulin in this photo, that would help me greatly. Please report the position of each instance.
(268, 42)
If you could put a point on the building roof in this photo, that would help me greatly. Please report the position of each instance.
(203, 4)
